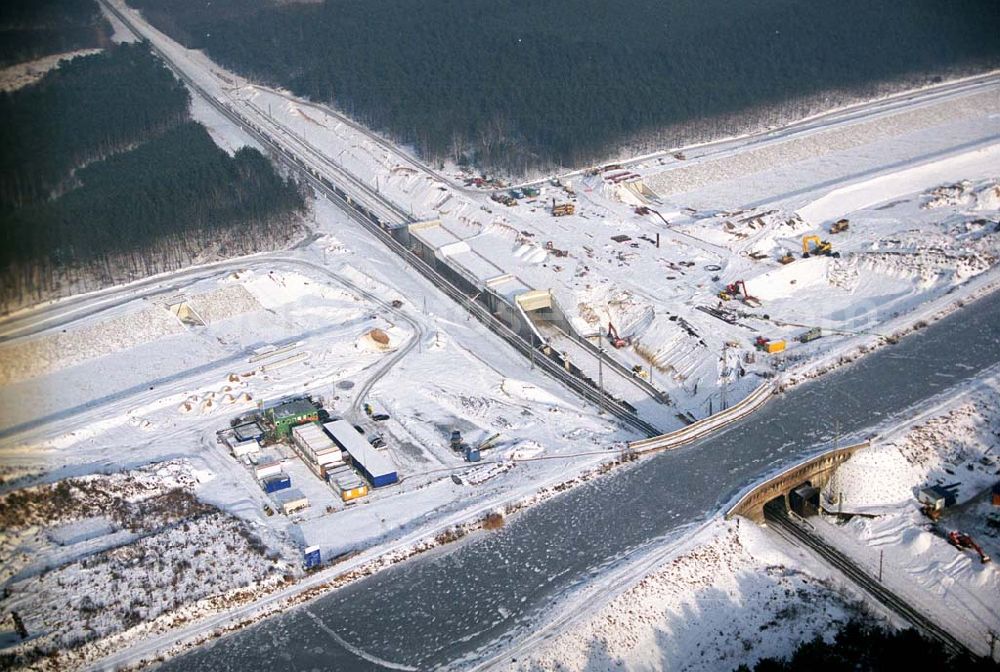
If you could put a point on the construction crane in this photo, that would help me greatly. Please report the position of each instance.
(734, 289)
(822, 247)
(961, 540)
(615, 339)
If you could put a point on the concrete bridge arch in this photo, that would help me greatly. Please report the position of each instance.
(815, 471)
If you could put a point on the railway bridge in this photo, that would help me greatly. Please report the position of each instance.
(815, 472)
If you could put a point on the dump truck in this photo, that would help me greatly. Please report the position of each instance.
(563, 209)
(840, 225)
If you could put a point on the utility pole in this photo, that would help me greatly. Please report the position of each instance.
(600, 376)
(993, 643)
(880, 553)
(532, 351)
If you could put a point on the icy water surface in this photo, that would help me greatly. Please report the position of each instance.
(436, 609)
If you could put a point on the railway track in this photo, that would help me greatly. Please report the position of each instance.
(779, 520)
(372, 211)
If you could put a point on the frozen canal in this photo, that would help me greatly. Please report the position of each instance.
(446, 606)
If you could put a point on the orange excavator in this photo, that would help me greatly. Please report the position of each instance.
(615, 339)
(961, 540)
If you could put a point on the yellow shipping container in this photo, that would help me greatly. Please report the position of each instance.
(348, 494)
(775, 346)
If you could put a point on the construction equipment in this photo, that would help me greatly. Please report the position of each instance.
(767, 345)
(562, 209)
(734, 289)
(840, 225)
(786, 258)
(961, 540)
(931, 512)
(505, 199)
(640, 371)
(821, 247)
(488, 443)
(810, 335)
(456, 439)
(369, 411)
(615, 339)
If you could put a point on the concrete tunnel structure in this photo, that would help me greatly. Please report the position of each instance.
(815, 472)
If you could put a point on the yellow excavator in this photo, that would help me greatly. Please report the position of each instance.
(820, 247)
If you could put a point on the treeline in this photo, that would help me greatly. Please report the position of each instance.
(86, 109)
(143, 188)
(862, 646)
(514, 84)
(30, 29)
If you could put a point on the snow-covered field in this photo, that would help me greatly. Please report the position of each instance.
(732, 597)
(150, 375)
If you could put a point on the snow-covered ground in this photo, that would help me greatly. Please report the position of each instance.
(22, 74)
(957, 443)
(732, 596)
(150, 372)
(86, 558)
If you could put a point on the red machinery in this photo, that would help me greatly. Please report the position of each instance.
(961, 540)
(734, 289)
(615, 339)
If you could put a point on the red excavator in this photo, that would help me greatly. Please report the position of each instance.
(615, 339)
(733, 289)
(961, 540)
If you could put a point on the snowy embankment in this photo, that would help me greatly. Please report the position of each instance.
(731, 597)
(89, 558)
(955, 443)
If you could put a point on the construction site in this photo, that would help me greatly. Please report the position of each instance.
(446, 353)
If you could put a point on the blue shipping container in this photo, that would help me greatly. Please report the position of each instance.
(276, 482)
(382, 480)
(311, 557)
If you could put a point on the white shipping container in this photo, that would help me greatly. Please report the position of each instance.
(244, 448)
(315, 445)
(264, 470)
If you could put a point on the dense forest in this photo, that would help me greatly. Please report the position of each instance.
(86, 109)
(516, 84)
(30, 29)
(106, 179)
(864, 647)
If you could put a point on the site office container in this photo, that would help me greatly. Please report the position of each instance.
(244, 448)
(291, 501)
(276, 483)
(351, 488)
(267, 465)
(775, 346)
